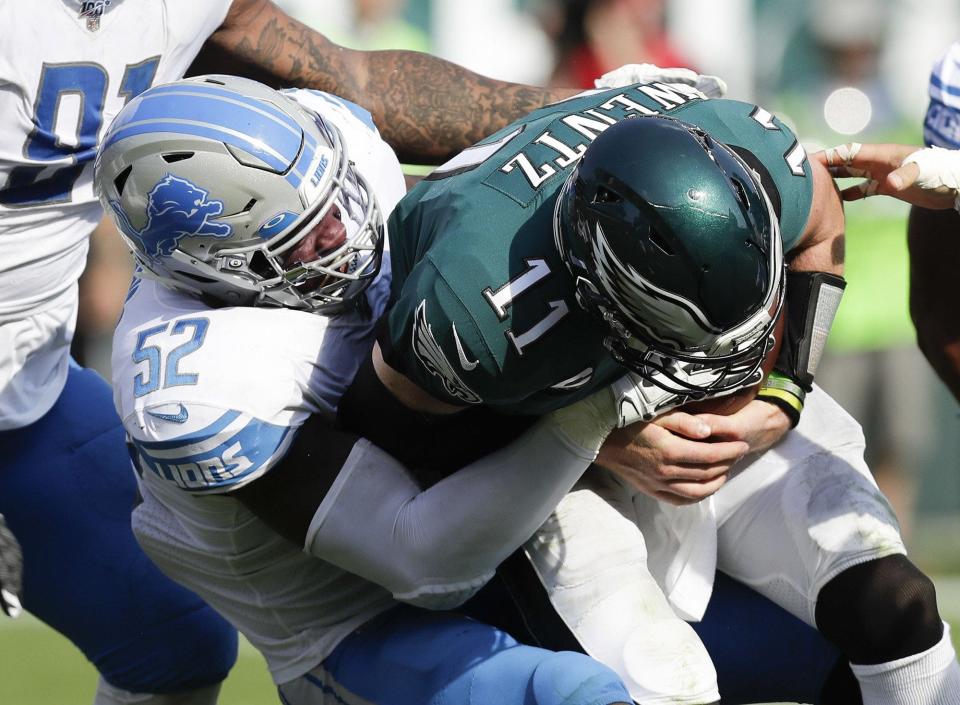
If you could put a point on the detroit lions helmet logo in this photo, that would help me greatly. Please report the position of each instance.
(176, 209)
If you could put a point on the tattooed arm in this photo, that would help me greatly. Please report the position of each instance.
(426, 108)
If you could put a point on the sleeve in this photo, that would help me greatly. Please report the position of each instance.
(435, 548)
(322, 103)
(430, 336)
(206, 450)
(941, 125)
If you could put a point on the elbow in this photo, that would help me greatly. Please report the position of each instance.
(441, 575)
(440, 594)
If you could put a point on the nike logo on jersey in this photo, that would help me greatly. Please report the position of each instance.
(179, 417)
(464, 362)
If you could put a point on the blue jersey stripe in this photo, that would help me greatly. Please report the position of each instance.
(232, 460)
(194, 436)
(938, 83)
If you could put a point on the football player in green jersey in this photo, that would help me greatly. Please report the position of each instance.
(645, 229)
(500, 292)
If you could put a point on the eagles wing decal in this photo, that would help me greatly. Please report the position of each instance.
(639, 299)
(431, 356)
(578, 380)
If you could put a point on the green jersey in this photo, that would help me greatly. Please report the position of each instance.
(483, 309)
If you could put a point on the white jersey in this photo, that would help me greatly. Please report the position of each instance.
(941, 127)
(67, 67)
(211, 399)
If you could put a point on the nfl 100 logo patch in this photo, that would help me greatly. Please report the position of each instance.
(93, 10)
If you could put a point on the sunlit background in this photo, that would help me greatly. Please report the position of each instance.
(835, 70)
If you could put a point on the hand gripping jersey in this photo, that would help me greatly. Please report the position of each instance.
(210, 399)
(56, 102)
(941, 126)
(483, 307)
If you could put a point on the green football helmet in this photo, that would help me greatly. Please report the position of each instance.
(675, 246)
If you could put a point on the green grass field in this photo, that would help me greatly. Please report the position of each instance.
(39, 667)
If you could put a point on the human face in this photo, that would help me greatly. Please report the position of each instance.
(326, 236)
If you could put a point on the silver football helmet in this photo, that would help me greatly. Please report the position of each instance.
(229, 189)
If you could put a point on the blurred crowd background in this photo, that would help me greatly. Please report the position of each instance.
(835, 70)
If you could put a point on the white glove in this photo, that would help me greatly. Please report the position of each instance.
(11, 571)
(629, 399)
(939, 170)
(710, 86)
(589, 421)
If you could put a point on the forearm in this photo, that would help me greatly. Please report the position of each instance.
(436, 547)
(934, 240)
(426, 108)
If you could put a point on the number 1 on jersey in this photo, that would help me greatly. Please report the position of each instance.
(537, 270)
(85, 84)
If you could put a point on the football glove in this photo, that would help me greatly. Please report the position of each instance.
(710, 86)
(11, 571)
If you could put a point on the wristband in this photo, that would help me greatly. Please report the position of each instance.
(781, 391)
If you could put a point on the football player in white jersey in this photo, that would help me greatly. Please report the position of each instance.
(255, 218)
(928, 179)
(66, 68)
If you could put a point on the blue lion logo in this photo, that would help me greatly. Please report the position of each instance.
(176, 209)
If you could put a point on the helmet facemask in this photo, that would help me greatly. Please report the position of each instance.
(336, 275)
